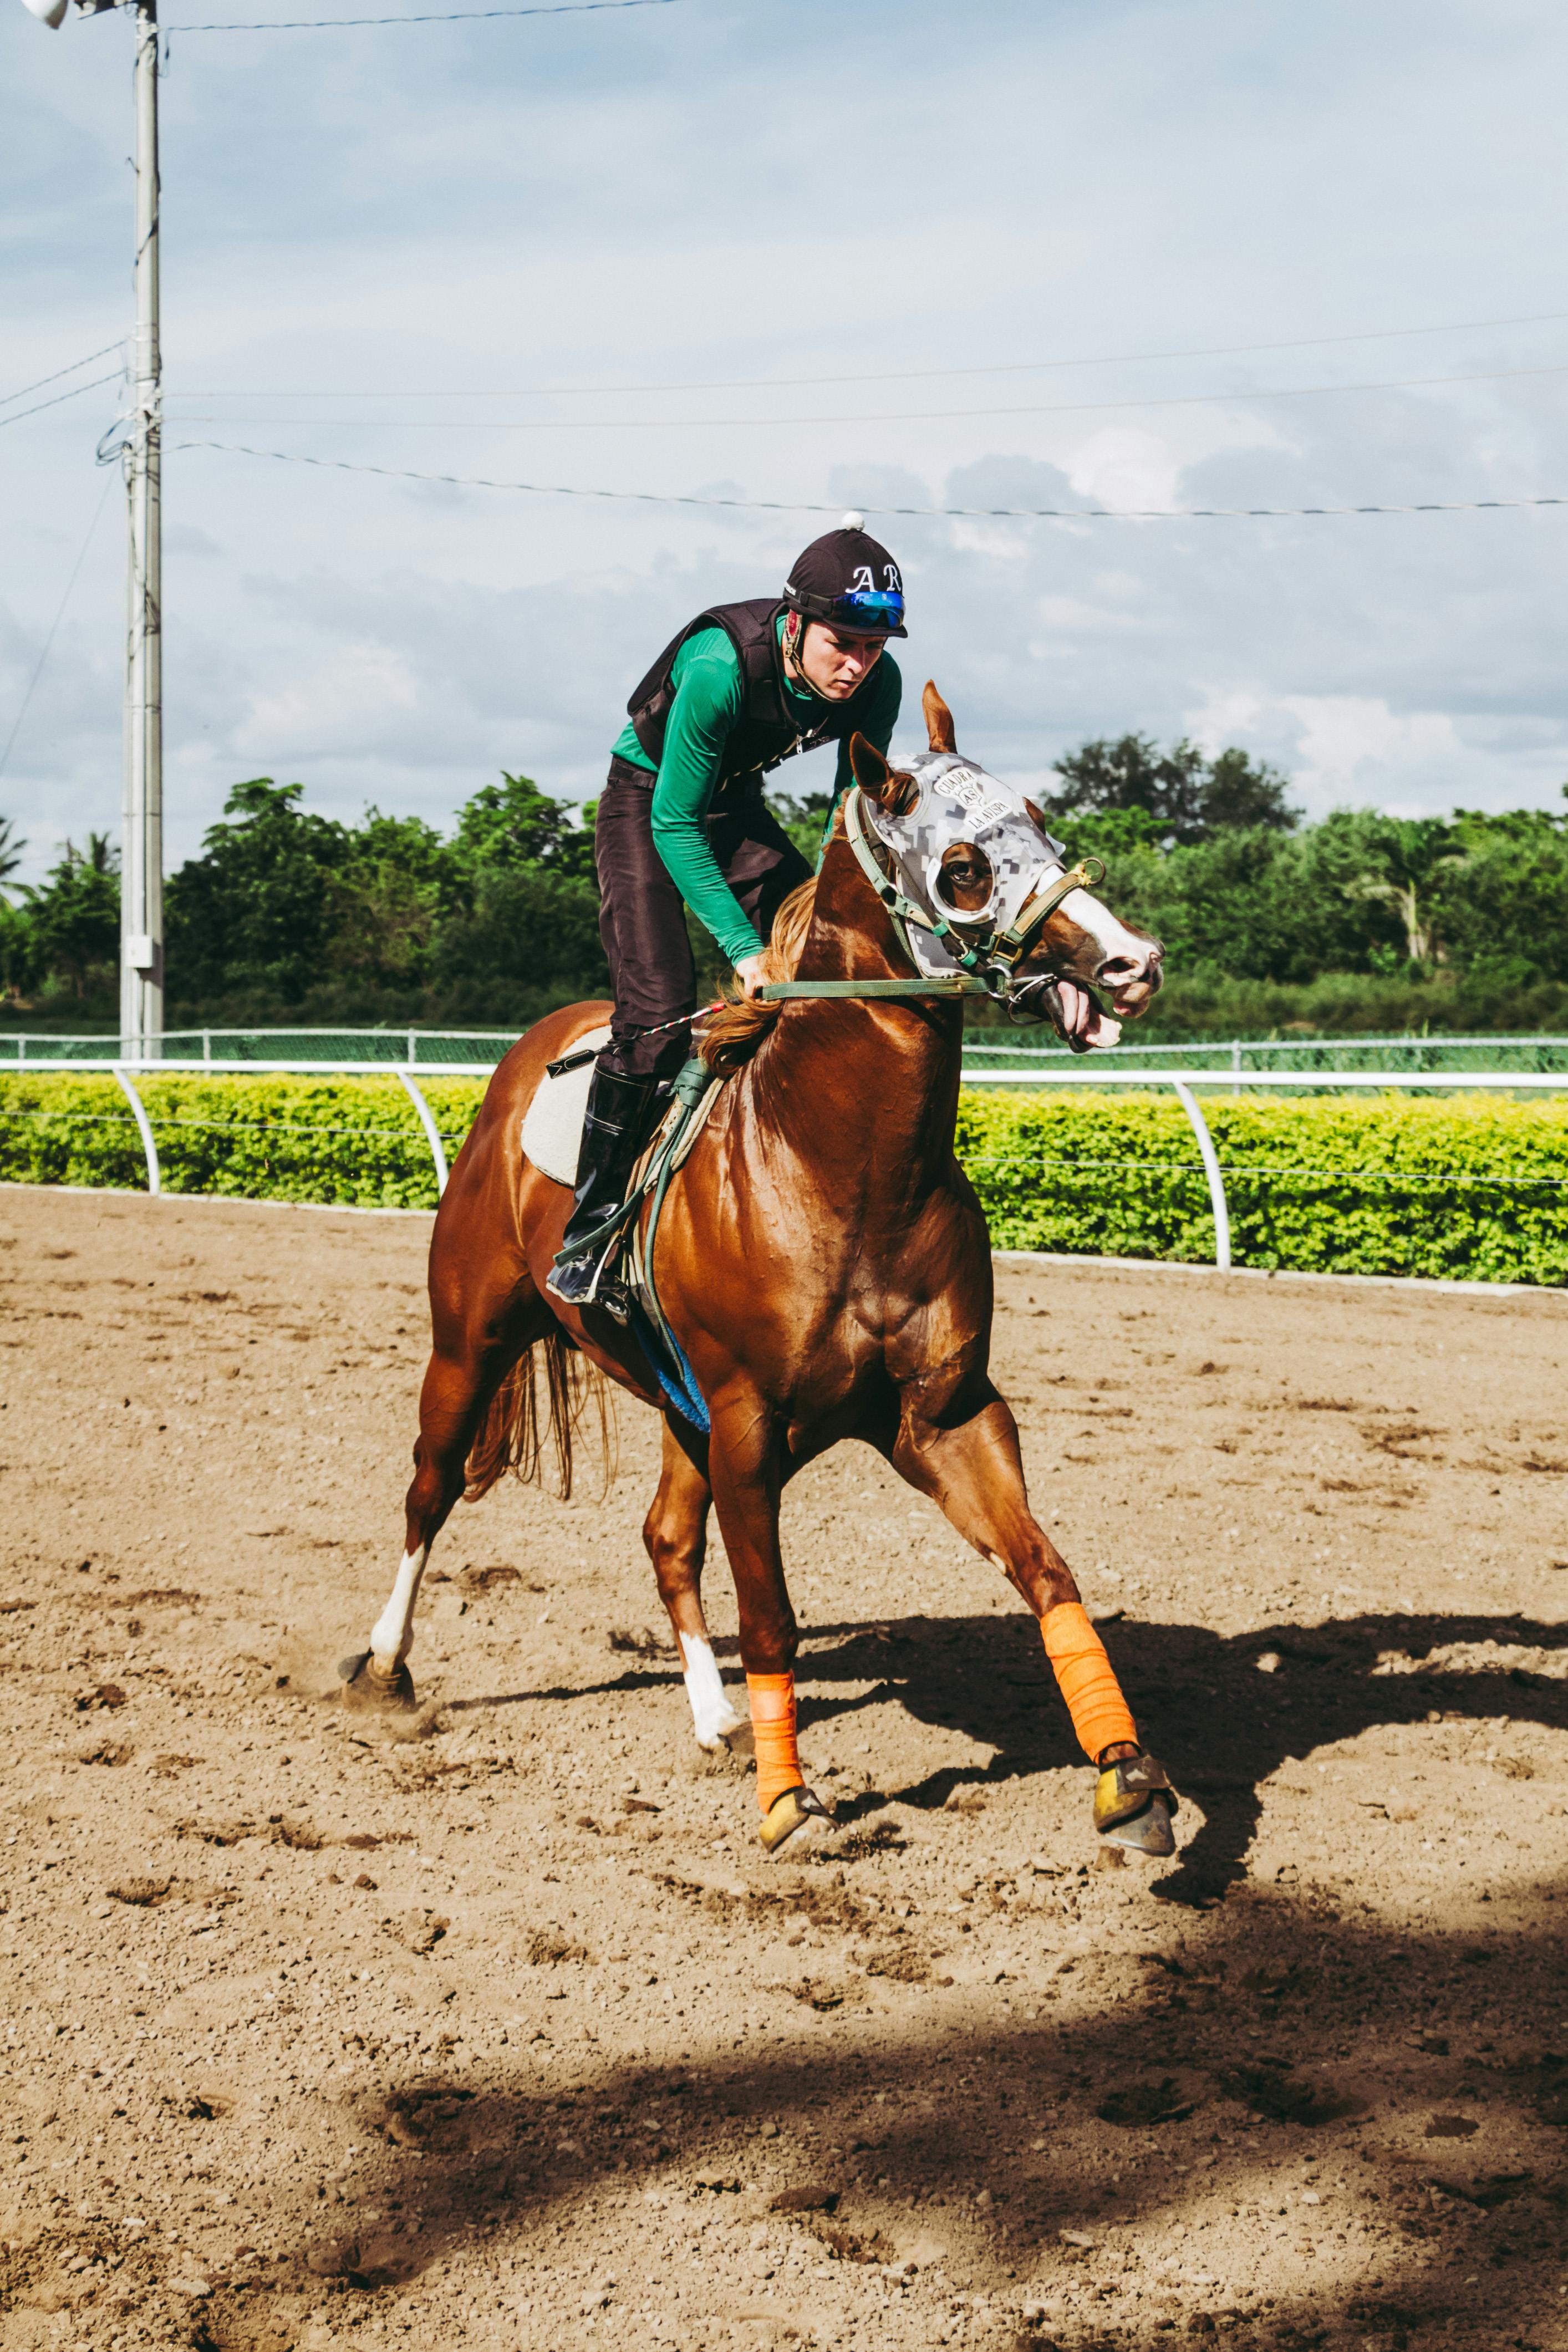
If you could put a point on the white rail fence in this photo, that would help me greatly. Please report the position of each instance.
(455, 1049)
(1101, 1074)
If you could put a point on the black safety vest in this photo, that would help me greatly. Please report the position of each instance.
(765, 733)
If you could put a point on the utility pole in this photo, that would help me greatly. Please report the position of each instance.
(142, 835)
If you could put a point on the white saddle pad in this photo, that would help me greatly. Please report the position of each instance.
(553, 1123)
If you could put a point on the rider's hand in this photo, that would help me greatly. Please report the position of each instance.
(752, 978)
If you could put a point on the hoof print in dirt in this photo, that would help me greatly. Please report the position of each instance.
(108, 1751)
(364, 1688)
(142, 1893)
(415, 2118)
(1284, 2099)
(1139, 2105)
(420, 1931)
(362, 2262)
(103, 1694)
(811, 2196)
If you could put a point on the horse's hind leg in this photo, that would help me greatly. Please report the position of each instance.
(460, 1387)
(452, 1402)
(676, 1534)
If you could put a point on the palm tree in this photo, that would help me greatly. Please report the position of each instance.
(11, 850)
(1412, 853)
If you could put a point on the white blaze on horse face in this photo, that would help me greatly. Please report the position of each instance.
(712, 1715)
(1112, 942)
(391, 1635)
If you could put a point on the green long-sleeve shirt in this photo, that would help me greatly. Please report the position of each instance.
(708, 695)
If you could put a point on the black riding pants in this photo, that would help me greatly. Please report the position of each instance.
(642, 920)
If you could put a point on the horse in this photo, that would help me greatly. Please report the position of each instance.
(821, 1259)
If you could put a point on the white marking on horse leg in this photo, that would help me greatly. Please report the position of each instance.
(713, 1717)
(391, 1635)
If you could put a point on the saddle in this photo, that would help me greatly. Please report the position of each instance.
(552, 1134)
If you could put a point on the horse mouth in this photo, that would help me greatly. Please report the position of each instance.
(1079, 1018)
(1132, 1001)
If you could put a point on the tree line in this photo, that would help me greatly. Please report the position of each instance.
(1360, 920)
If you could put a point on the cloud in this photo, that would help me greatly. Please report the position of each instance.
(677, 197)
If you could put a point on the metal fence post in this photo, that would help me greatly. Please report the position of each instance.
(1189, 1102)
(207, 1044)
(144, 1126)
(432, 1132)
(413, 1046)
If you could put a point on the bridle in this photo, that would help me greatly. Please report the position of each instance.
(987, 961)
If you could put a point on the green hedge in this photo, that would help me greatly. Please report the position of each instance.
(1468, 1185)
(357, 1141)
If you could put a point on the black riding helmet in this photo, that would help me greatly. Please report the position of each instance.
(848, 579)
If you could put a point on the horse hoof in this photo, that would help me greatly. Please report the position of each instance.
(799, 1812)
(1149, 1831)
(728, 1739)
(366, 1685)
(1133, 1802)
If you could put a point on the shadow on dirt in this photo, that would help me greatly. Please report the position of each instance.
(1220, 1724)
(1266, 2046)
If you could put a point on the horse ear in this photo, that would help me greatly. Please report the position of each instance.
(938, 718)
(878, 779)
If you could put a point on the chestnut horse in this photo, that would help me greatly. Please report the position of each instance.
(822, 1260)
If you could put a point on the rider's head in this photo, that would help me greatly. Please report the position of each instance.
(845, 598)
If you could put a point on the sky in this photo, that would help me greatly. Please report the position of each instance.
(1021, 253)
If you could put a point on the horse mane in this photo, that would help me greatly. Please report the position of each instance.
(732, 1036)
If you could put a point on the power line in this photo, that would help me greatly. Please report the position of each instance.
(808, 506)
(23, 390)
(912, 375)
(97, 384)
(448, 17)
(892, 417)
(54, 627)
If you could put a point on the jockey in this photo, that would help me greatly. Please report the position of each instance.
(682, 823)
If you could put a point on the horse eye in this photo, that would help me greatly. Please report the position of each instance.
(964, 881)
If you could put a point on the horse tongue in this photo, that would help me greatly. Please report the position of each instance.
(1099, 1030)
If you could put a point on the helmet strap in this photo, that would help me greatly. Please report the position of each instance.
(795, 626)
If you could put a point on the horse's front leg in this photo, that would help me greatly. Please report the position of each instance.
(973, 1470)
(745, 1456)
(676, 1534)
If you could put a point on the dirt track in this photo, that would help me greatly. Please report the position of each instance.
(501, 2035)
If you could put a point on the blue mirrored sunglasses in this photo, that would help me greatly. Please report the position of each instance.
(868, 608)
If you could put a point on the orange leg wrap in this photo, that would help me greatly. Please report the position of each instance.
(1100, 1713)
(772, 1729)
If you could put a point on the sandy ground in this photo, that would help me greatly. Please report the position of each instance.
(501, 2033)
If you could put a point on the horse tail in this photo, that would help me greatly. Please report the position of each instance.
(516, 1433)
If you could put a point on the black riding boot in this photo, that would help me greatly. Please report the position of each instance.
(614, 1133)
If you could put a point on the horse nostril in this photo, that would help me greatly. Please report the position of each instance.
(1117, 970)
